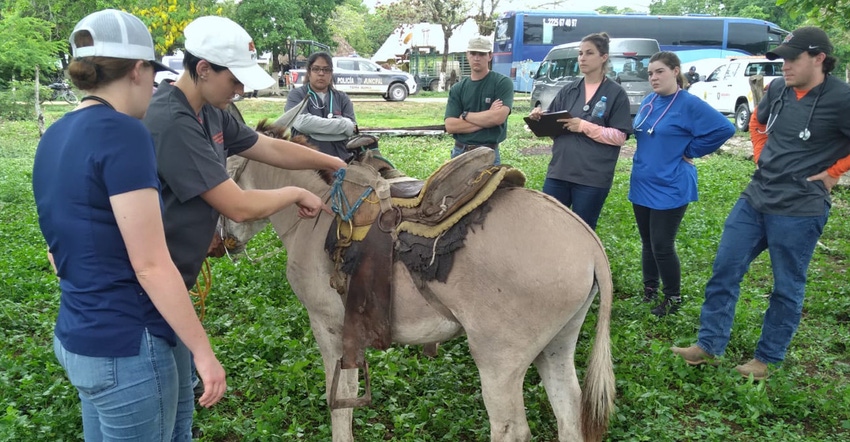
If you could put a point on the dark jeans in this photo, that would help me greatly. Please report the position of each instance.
(791, 242)
(585, 201)
(658, 230)
(460, 148)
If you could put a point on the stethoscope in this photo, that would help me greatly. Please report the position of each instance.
(315, 101)
(586, 106)
(649, 107)
(804, 134)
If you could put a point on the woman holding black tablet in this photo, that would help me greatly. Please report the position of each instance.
(581, 171)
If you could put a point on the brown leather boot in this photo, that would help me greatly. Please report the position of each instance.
(694, 355)
(756, 368)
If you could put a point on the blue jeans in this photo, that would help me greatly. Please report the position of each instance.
(459, 150)
(141, 397)
(585, 201)
(790, 241)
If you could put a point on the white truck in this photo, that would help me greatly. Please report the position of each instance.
(727, 88)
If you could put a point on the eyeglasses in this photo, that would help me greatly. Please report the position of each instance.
(317, 70)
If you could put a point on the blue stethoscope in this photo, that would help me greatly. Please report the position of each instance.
(776, 108)
(315, 101)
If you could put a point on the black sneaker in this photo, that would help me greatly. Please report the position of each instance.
(650, 294)
(668, 306)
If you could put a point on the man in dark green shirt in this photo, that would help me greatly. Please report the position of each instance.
(478, 107)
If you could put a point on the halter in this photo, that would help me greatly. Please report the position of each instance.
(339, 203)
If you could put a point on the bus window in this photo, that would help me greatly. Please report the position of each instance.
(505, 29)
(748, 38)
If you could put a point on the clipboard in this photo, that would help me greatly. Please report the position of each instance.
(548, 125)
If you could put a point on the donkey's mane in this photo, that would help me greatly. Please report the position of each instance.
(283, 133)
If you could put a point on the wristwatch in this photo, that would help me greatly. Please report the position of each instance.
(463, 115)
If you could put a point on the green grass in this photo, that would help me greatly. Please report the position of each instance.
(262, 336)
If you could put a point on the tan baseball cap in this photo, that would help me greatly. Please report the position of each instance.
(479, 44)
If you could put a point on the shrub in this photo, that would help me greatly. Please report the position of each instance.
(17, 100)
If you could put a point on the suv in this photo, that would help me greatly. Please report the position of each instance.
(355, 75)
(628, 60)
(727, 88)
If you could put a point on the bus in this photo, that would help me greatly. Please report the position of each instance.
(523, 38)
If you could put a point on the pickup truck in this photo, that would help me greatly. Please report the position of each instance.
(354, 75)
(727, 88)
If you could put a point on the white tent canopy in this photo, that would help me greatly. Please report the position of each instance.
(425, 34)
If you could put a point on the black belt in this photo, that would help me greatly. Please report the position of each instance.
(468, 147)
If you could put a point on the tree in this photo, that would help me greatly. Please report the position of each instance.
(613, 10)
(271, 22)
(166, 19)
(63, 15)
(826, 13)
(25, 44)
(760, 9)
(449, 14)
(349, 21)
(315, 14)
(832, 16)
(486, 16)
(682, 7)
(380, 26)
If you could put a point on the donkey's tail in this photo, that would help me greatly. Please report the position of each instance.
(597, 396)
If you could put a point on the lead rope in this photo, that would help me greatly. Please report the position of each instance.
(202, 288)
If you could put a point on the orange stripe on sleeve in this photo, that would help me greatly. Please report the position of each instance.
(758, 135)
(839, 168)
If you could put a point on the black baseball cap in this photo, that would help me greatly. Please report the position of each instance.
(805, 39)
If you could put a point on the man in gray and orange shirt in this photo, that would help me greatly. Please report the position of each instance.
(786, 205)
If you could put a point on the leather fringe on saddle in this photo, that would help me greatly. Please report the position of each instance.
(369, 300)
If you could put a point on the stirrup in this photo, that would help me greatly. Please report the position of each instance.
(354, 402)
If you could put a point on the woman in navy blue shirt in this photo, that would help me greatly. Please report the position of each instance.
(125, 323)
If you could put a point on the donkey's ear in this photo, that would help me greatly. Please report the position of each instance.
(263, 125)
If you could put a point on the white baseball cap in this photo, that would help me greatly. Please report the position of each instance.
(116, 34)
(222, 42)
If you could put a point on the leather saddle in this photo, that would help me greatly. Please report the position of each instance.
(374, 202)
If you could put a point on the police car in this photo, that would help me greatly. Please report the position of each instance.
(354, 75)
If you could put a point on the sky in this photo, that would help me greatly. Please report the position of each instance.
(575, 5)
